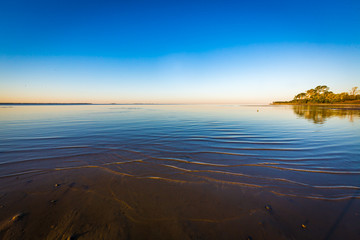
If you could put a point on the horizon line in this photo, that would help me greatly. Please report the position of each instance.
(34, 103)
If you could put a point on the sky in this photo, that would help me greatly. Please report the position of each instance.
(246, 52)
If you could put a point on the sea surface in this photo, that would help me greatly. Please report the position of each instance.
(293, 152)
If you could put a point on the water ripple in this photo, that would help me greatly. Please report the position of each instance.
(280, 154)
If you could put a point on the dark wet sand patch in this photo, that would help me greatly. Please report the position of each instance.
(95, 203)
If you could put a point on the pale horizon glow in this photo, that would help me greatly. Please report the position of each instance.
(255, 74)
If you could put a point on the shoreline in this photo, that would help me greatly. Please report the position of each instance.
(135, 173)
(316, 104)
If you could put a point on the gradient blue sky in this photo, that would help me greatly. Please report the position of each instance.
(176, 51)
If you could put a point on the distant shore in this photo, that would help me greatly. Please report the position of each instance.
(348, 103)
(321, 95)
(46, 103)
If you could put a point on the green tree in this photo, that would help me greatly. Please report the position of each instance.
(321, 94)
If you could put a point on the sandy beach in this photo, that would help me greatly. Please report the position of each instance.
(104, 203)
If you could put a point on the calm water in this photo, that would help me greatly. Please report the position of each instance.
(305, 152)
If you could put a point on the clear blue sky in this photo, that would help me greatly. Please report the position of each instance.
(176, 51)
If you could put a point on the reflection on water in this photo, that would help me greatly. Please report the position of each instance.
(195, 172)
(319, 114)
(260, 146)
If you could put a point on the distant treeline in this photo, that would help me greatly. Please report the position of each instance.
(321, 94)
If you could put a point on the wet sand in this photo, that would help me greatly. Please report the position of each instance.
(107, 203)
